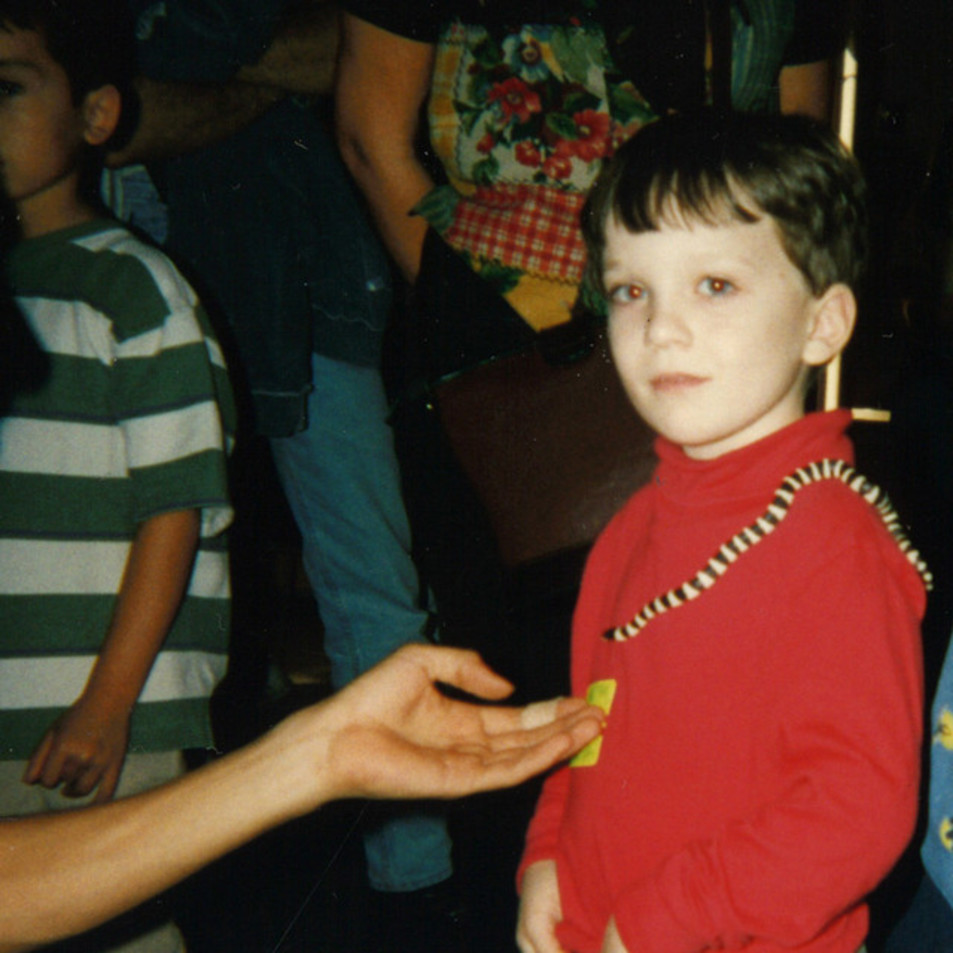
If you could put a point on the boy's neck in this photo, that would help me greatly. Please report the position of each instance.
(53, 209)
(757, 437)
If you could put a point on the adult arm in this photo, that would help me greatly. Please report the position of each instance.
(383, 81)
(86, 747)
(178, 117)
(808, 89)
(301, 57)
(807, 77)
(390, 734)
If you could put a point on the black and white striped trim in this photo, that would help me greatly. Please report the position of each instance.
(751, 535)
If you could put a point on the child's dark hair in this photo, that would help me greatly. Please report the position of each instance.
(91, 39)
(707, 165)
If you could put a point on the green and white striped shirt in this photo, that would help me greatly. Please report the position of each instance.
(133, 420)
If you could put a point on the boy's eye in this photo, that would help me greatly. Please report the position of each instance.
(9, 88)
(716, 286)
(625, 294)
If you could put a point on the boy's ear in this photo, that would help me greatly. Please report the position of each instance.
(832, 323)
(101, 109)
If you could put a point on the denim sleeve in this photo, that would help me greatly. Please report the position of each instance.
(202, 40)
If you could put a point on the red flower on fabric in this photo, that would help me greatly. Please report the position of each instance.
(558, 167)
(594, 138)
(515, 99)
(486, 143)
(527, 154)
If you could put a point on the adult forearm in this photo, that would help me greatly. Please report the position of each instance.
(807, 90)
(65, 873)
(389, 734)
(302, 56)
(383, 81)
(178, 118)
(392, 185)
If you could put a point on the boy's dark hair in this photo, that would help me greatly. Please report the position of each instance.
(705, 165)
(91, 39)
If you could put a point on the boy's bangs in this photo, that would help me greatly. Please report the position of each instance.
(675, 198)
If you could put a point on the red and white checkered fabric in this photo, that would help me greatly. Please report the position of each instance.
(532, 228)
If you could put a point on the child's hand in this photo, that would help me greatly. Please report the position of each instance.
(612, 942)
(540, 910)
(83, 750)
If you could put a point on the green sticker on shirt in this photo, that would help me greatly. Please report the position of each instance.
(600, 694)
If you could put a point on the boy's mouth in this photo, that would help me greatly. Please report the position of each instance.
(665, 383)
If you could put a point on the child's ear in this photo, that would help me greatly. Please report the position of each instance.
(101, 109)
(832, 323)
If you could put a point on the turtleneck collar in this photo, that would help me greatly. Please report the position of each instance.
(752, 471)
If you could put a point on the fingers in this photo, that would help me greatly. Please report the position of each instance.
(514, 758)
(537, 935)
(536, 722)
(84, 781)
(53, 765)
(458, 667)
(538, 945)
(37, 763)
(540, 911)
(107, 785)
(539, 713)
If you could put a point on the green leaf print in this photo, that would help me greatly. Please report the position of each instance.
(562, 125)
(627, 107)
(486, 171)
(501, 277)
(578, 51)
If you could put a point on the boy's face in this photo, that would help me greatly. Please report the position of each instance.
(41, 133)
(709, 327)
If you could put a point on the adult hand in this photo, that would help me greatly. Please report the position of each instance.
(393, 734)
(390, 734)
(83, 750)
(540, 909)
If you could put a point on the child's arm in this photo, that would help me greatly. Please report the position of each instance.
(86, 747)
(540, 909)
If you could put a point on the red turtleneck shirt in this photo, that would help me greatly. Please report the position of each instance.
(759, 770)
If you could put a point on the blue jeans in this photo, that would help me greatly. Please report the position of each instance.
(342, 482)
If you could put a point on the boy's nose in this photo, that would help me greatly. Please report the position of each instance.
(664, 325)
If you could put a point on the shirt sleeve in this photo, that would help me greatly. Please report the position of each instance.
(412, 19)
(202, 40)
(542, 837)
(170, 395)
(849, 728)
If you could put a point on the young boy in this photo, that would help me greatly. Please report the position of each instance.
(113, 572)
(753, 638)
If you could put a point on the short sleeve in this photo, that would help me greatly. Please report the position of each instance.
(419, 20)
(169, 392)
